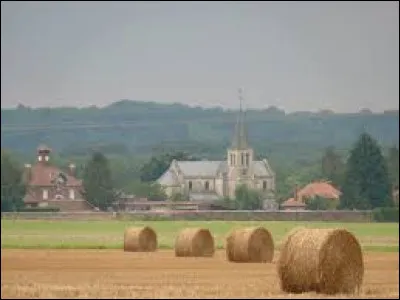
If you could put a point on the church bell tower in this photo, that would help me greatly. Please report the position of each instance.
(239, 155)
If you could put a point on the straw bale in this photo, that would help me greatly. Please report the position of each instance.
(254, 244)
(140, 239)
(194, 242)
(328, 261)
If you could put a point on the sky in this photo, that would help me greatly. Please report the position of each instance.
(298, 56)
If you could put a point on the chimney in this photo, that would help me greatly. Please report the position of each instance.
(71, 169)
(27, 174)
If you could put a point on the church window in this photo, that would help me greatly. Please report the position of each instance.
(247, 159)
(264, 185)
(190, 185)
(242, 159)
(207, 185)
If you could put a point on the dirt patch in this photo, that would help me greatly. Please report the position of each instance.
(117, 274)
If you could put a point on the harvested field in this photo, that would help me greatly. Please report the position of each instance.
(118, 274)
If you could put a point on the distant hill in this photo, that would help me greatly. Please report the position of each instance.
(142, 127)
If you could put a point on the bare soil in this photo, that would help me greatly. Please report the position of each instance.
(116, 274)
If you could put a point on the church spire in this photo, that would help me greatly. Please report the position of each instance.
(240, 137)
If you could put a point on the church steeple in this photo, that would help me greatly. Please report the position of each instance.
(239, 155)
(239, 141)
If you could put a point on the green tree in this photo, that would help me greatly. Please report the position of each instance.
(247, 199)
(177, 197)
(366, 183)
(149, 190)
(393, 165)
(157, 165)
(156, 192)
(287, 179)
(202, 132)
(283, 184)
(320, 203)
(97, 182)
(225, 203)
(332, 167)
(12, 186)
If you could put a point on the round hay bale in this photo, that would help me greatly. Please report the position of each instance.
(253, 244)
(140, 239)
(328, 261)
(194, 242)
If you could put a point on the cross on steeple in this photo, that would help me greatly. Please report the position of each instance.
(240, 137)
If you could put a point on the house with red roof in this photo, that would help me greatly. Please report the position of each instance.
(293, 204)
(49, 186)
(321, 189)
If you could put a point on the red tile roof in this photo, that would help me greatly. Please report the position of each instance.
(319, 188)
(42, 174)
(43, 148)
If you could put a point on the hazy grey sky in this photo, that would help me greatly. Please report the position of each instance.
(295, 55)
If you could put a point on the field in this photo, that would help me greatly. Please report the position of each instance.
(56, 267)
(24, 234)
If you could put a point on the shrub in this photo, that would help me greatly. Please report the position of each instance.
(320, 203)
(40, 209)
(386, 214)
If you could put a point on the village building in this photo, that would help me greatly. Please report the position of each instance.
(321, 189)
(212, 180)
(49, 186)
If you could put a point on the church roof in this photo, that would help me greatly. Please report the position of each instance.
(261, 169)
(208, 169)
(239, 141)
(201, 168)
(168, 178)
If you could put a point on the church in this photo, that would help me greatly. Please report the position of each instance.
(212, 180)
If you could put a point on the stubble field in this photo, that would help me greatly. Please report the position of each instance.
(42, 272)
(117, 274)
